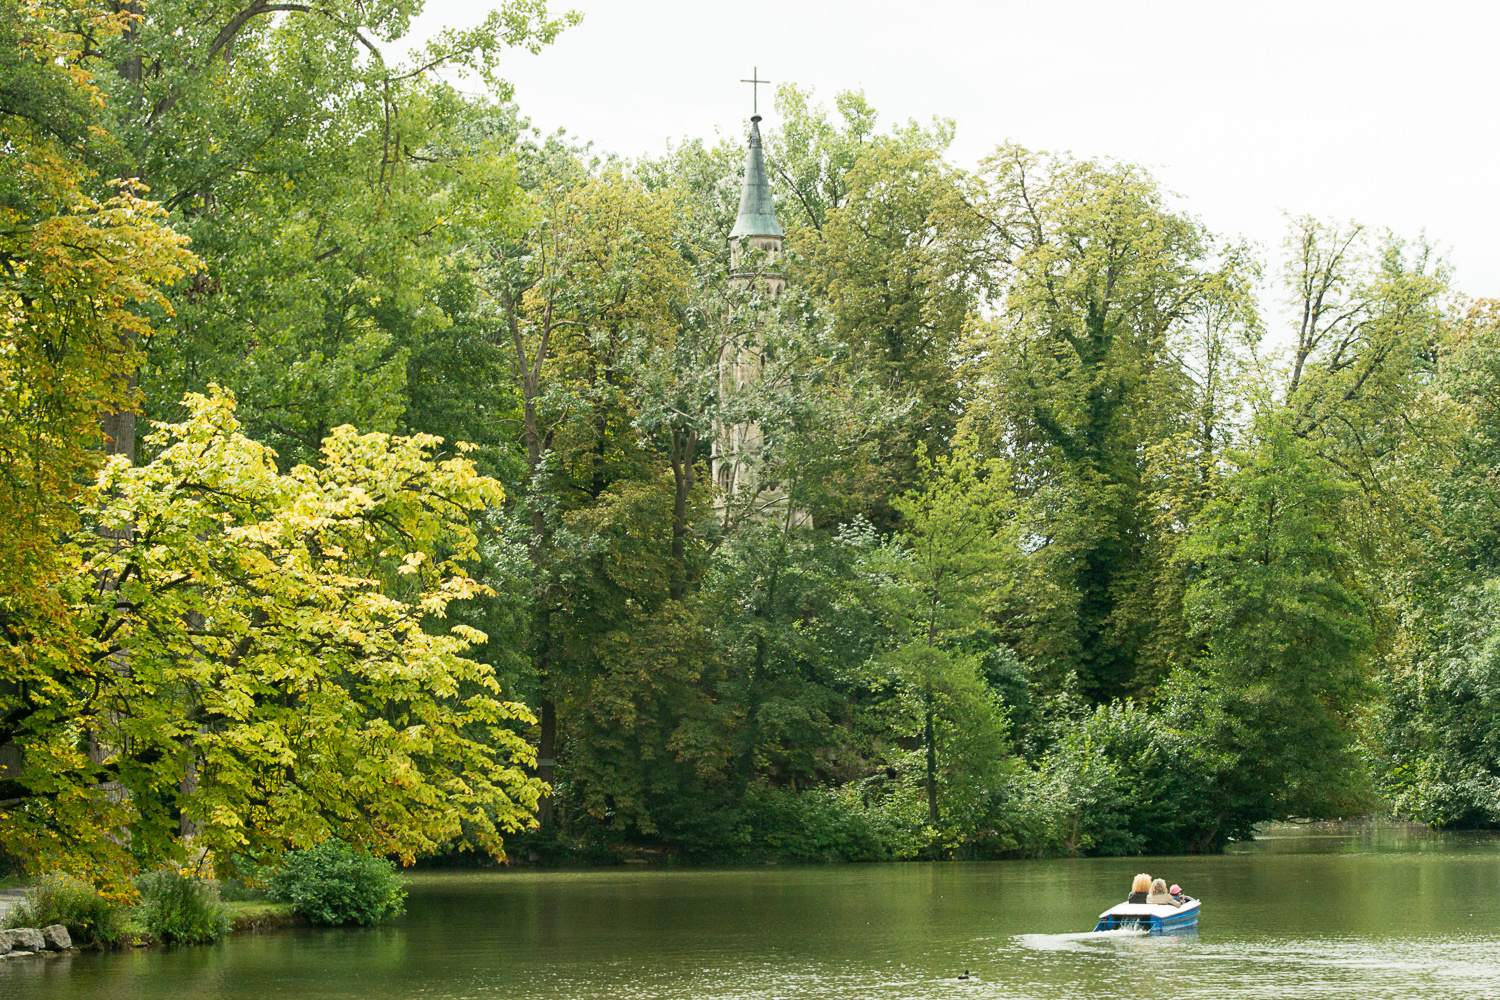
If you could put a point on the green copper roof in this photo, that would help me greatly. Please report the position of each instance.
(757, 211)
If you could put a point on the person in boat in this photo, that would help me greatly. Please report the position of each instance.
(1159, 895)
(1139, 889)
(1176, 892)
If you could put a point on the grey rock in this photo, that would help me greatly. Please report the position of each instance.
(27, 939)
(7, 942)
(57, 937)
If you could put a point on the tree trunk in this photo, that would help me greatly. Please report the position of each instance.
(187, 827)
(546, 763)
(119, 439)
(547, 739)
(752, 714)
(529, 370)
(753, 691)
(684, 444)
(119, 426)
(929, 737)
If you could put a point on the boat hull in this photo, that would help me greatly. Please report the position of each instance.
(1152, 918)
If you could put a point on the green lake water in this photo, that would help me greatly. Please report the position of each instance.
(1381, 912)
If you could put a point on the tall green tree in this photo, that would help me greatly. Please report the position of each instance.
(1303, 557)
(1288, 637)
(812, 155)
(1433, 735)
(582, 272)
(1078, 377)
(316, 179)
(874, 239)
(947, 572)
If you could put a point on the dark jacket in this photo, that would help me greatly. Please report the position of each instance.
(1136, 897)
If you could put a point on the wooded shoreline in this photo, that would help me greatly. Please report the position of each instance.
(383, 474)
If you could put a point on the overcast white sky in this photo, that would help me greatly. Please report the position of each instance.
(1377, 111)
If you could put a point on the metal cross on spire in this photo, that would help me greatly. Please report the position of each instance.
(755, 81)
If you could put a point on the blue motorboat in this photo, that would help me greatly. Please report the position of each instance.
(1154, 918)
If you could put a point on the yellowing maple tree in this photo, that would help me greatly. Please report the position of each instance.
(267, 662)
(79, 277)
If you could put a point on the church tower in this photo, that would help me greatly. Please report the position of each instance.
(755, 245)
(756, 228)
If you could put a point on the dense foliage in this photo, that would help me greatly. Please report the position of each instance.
(334, 884)
(1048, 541)
(91, 918)
(180, 909)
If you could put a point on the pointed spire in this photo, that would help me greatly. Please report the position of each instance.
(757, 211)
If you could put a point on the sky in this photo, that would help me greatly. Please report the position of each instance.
(1379, 112)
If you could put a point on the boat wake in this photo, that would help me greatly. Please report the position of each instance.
(1073, 942)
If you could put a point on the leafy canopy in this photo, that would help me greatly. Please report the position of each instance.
(264, 661)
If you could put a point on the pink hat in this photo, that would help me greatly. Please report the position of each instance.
(1175, 889)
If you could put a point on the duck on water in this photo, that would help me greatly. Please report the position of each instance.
(1152, 907)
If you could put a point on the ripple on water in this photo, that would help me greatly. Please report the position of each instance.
(1112, 964)
(1283, 926)
(1307, 969)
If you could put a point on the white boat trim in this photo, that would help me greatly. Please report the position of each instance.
(1163, 911)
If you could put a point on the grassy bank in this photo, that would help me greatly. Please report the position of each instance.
(261, 915)
(171, 909)
(332, 884)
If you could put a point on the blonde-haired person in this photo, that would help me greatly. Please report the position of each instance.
(1160, 896)
(1139, 889)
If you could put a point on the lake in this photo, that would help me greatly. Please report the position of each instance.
(1375, 911)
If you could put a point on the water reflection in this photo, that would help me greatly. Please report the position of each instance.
(1369, 912)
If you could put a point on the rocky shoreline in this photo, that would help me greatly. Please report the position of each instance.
(54, 939)
(28, 942)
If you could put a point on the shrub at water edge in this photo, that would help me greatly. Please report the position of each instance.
(72, 902)
(1122, 782)
(180, 909)
(830, 825)
(334, 883)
